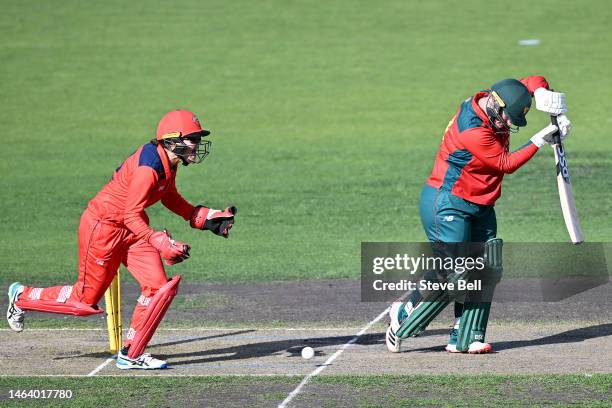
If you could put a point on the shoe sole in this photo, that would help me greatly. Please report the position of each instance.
(127, 367)
(135, 367)
(484, 350)
(391, 348)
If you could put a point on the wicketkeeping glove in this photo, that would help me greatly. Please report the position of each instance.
(549, 101)
(217, 221)
(170, 250)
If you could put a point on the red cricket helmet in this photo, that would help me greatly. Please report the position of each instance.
(179, 123)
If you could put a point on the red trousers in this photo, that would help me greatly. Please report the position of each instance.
(103, 246)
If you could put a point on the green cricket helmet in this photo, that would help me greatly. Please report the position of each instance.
(513, 98)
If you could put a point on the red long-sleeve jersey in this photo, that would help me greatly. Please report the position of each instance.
(472, 159)
(143, 179)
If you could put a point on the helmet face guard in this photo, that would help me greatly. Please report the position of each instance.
(511, 97)
(189, 154)
(180, 125)
(495, 108)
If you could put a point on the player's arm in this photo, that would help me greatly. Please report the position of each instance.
(534, 82)
(200, 217)
(546, 99)
(175, 202)
(484, 145)
(142, 183)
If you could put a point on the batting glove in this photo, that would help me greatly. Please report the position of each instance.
(170, 250)
(217, 221)
(544, 136)
(549, 101)
(565, 126)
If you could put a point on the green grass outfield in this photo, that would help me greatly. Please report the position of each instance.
(326, 391)
(325, 118)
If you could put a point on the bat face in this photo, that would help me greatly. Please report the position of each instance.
(566, 196)
(566, 193)
(562, 169)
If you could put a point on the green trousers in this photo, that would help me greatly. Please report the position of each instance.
(448, 218)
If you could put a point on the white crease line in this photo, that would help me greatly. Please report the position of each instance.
(199, 329)
(121, 375)
(330, 360)
(100, 367)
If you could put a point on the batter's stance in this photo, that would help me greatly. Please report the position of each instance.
(115, 229)
(457, 202)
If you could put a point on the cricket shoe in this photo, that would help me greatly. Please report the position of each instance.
(393, 342)
(391, 339)
(479, 347)
(451, 347)
(142, 362)
(15, 315)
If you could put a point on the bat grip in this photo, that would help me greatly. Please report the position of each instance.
(556, 136)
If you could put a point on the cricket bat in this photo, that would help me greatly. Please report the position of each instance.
(566, 193)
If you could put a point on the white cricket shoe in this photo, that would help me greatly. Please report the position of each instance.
(479, 347)
(15, 315)
(393, 342)
(391, 339)
(142, 362)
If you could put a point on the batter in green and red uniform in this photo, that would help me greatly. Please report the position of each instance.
(457, 201)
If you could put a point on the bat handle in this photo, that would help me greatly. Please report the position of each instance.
(556, 136)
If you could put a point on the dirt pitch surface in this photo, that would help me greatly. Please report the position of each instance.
(521, 349)
(260, 329)
(567, 337)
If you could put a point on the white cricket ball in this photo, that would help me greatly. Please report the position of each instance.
(307, 353)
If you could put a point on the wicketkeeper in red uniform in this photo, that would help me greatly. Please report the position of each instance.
(457, 201)
(114, 230)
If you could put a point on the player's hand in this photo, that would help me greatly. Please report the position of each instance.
(544, 136)
(550, 102)
(565, 126)
(217, 221)
(170, 250)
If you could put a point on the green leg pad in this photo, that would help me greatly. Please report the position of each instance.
(420, 318)
(473, 326)
(475, 317)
